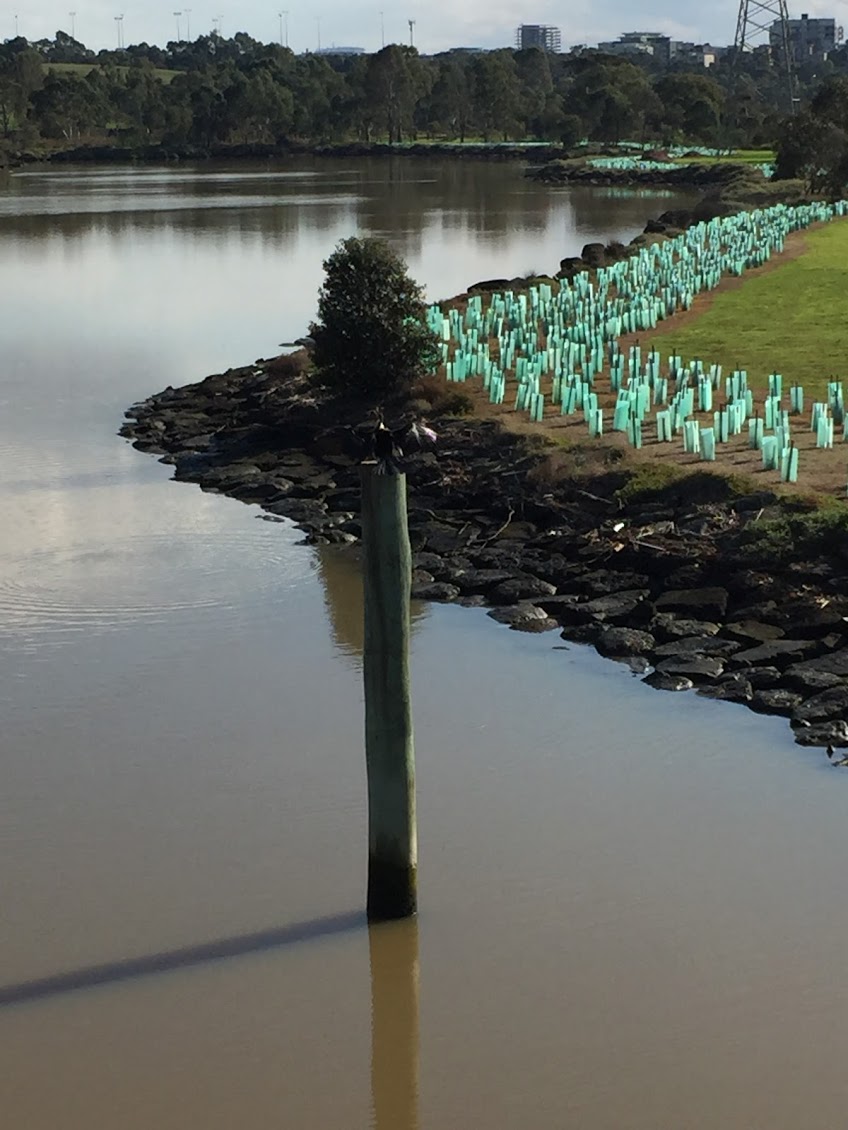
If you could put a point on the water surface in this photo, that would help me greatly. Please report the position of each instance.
(633, 904)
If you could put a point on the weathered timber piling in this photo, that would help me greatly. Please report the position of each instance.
(387, 579)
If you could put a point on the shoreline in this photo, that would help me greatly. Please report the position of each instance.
(658, 576)
(661, 583)
(107, 154)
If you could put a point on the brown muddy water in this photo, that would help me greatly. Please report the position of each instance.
(634, 906)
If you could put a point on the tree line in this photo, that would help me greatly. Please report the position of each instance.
(216, 91)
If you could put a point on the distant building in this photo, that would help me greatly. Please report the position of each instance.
(701, 54)
(640, 43)
(340, 51)
(538, 35)
(809, 40)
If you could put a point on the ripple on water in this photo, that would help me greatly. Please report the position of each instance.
(146, 578)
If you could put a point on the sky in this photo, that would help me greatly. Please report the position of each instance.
(439, 24)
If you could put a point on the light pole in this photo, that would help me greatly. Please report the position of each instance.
(16, 25)
(119, 24)
(318, 23)
(187, 14)
(411, 32)
(177, 18)
(73, 16)
(382, 30)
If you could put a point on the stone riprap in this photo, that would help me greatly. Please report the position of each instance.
(689, 609)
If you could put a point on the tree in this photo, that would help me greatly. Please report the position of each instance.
(692, 106)
(371, 340)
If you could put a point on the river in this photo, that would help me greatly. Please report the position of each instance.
(633, 905)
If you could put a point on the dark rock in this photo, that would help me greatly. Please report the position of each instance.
(594, 255)
(733, 688)
(556, 604)
(821, 673)
(667, 626)
(824, 733)
(618, 607)
(692, 666)
(765, 611)
(343, 500)
(441, 538)
(776, 701)
(520, 615)
(762, 678)
(704, 604)
(254, 492)
(473, 580)
(618, 642)
(582, 633)
(435, 590)
(520, 588)
(688, 576)
(298, 509)
(697, 645)
(422, 577)
(661, 681)
(471, 600)
(433, 562)
(535, 626)
(776, 653)
(811, 681)
(810, 621)
(827, 704)
(748, 630)
(603, 582)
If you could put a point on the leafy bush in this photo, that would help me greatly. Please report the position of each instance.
(371, 339)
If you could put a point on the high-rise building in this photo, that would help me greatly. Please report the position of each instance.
(538, 35)
(809, 40)
(640, 43)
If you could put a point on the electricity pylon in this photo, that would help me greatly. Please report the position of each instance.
(757, 18)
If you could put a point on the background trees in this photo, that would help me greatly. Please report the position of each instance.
(813, 145)
(220, 91)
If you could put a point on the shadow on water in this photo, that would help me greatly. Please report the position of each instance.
(393, 949)
(168, 960)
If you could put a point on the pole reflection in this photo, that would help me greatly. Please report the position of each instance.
(340, 573)
(393, 948)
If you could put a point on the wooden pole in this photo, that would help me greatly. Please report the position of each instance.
(387, 573)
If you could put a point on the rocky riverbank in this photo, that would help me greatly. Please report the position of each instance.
(258, 151)
(669, 580)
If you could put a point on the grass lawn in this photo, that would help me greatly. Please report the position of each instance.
(737, 157)
(790, 319)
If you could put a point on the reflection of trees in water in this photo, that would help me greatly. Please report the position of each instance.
(401, 198)
(393, 948)
(341, 577)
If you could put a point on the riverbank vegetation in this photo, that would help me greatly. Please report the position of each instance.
(238, 91)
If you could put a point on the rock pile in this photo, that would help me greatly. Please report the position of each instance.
(663, 589)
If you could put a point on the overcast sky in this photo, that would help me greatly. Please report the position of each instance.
(439, 24)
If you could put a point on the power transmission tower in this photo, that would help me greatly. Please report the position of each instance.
(757, 18)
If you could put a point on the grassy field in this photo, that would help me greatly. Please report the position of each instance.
(738, 157)
(82, 69)
(788, 320)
